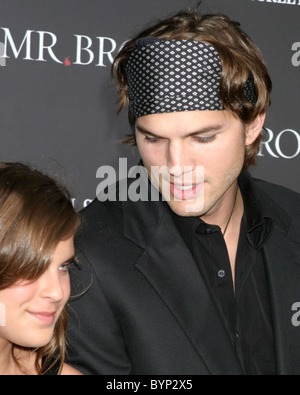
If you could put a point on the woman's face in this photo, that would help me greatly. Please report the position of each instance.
(30, 310)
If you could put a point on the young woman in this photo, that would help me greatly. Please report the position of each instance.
(37, 228)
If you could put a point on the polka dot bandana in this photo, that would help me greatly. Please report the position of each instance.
(170, 76)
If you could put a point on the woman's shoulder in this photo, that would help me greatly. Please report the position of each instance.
(66, 370)
(69, 371)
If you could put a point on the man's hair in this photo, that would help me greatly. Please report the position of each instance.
(240, 59)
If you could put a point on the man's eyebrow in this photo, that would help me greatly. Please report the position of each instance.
(145, 131)
(207, 129)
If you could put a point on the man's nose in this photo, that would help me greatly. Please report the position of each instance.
(179, 160)
(176, 159)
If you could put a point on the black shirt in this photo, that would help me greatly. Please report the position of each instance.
(245, 311)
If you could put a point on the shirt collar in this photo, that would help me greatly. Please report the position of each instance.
(258, 227)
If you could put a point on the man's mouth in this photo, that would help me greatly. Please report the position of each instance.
(184, 187)
(186, 192)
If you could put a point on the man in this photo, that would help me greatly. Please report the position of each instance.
(206, 280)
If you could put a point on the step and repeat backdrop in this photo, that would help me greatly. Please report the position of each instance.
(58, 105)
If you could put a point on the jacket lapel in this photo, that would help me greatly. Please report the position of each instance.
(283, 263)
(282, 256)
(170, 269)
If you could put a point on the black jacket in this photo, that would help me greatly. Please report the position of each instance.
(147, 310)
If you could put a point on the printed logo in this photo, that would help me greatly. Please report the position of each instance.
(40, 46)
(287, 2)
(67, 61)
(274, 145)
(2, 59)
(78, 205)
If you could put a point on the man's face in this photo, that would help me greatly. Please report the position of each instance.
(186, 143)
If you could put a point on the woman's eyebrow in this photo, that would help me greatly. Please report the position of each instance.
(70, 260)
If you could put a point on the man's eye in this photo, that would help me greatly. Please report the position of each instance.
(151, 139)
(204, 140)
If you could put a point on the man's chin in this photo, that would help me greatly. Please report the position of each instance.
(187, 208)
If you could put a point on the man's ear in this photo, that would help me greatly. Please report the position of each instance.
(254, 129)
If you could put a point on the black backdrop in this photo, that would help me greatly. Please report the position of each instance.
(58, 105)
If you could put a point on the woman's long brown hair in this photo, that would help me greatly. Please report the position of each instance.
(35, 215)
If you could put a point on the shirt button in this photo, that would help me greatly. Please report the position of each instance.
(221, 273)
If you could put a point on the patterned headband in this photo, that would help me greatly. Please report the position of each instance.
(170, 76)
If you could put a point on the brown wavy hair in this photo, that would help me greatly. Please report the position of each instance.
(240, 58)
(35, 215)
